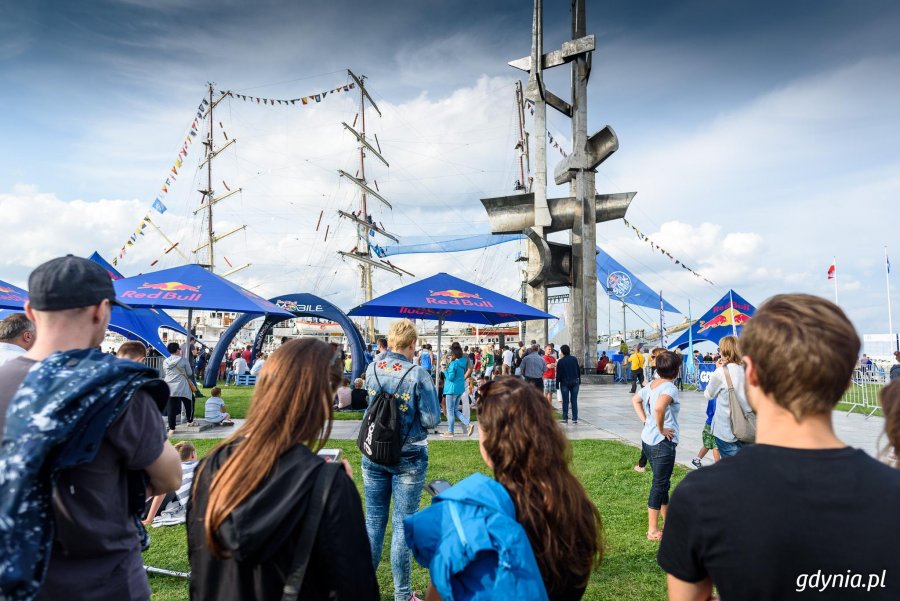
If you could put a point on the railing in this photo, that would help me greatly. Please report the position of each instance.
(156, 363)
(864, 389)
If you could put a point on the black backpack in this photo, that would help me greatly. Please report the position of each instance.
(380, 431)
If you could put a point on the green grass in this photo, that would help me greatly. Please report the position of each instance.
(629, 569)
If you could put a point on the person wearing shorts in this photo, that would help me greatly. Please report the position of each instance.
(549, 374)
(709, 441)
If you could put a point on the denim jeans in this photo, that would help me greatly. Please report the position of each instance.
(728, 449)
(662, 461)
(453, 412)
(404, 482)
(569, 392)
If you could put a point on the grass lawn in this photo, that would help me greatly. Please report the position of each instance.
(629, 569)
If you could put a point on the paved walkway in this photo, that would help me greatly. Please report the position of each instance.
(605, 413)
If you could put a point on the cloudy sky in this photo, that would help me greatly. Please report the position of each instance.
(761, 137)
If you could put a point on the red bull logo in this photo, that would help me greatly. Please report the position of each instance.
(456, 297)
(6, 290)
(454, 294)
(727, 318)
(171, 287)
(166, 291)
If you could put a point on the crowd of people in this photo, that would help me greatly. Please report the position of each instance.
(267, 517)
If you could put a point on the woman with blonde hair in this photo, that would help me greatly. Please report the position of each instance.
(249, 517)
(729, 373)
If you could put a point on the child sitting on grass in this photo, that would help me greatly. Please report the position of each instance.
(215, 409)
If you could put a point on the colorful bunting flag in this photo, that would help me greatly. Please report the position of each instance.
(644, 238)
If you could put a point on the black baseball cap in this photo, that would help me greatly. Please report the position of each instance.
(69, 283)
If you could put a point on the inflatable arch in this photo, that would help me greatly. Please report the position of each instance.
(301, 305)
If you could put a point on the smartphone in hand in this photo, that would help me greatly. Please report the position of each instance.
(436, 487)
(331, 455)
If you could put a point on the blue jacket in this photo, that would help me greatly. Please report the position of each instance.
(567, 371)
(56, 420)
(418, 398)
(473, 546)
(455, 376)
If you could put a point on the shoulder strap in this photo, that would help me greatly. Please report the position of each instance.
(311, 520)
(728, 378)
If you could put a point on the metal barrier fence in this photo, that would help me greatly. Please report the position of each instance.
(864, 389)
(156, 363)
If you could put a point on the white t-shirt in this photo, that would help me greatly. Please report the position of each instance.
(257, 366)
(9, 351)
(508, 357)
(240, 366)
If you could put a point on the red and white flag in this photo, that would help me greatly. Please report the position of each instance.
(831, 273)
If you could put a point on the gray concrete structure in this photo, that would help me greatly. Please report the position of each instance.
(549, 264)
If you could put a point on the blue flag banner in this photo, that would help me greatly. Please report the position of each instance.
(159, 206)
(623, 285)
(611, 275)
(726, 317)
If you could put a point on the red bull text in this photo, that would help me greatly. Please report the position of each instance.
(457, 297)
(166, 291)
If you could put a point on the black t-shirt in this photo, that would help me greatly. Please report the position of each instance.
(771, 521)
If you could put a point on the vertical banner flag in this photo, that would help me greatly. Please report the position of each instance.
(831, 270)
(663, 342)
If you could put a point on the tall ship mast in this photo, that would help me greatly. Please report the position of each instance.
(363, 219)
(207, 258)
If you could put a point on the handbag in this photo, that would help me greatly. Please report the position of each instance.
(743, 425)
(311, 520)
(190, 384)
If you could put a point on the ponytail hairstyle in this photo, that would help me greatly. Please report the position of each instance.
(291, 405)
(563, 525)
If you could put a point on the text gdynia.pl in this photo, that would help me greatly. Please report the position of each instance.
(817, 581)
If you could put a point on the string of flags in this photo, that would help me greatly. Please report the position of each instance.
(530, 105)
(158, 205)
(303, 100)
(644, 238)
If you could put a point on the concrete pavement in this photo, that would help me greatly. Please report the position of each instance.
(605, 413)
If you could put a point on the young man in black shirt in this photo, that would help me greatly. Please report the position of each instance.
(798, 512)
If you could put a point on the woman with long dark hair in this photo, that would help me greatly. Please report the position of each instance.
(253, 492)
(531, 460)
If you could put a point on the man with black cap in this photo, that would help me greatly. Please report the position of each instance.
(91, 425)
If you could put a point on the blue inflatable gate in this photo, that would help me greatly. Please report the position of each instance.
(301, 305)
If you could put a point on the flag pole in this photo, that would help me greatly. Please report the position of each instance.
(690, 339)
(731, 303)
(834, 262)
(887, 279)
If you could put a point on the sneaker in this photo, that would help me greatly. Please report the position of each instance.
(470, 430)
(447, 434)
(696, 463)
(575, 421)
(565, 421)
(171, 433)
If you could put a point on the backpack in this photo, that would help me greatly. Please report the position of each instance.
(379, 433)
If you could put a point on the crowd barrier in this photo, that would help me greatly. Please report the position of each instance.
(864, 389)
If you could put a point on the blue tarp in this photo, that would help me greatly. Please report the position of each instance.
(446, 297)
(611, 274)
(724, 318)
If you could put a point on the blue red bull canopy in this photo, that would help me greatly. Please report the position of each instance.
(191, 287)
(138, 324)
(724, 318)
(12, 297)
(449, 298)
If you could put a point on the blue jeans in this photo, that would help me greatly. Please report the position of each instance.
(404, 482)
(453, 412)
(662, 461)
(569, 392)
(728, 449)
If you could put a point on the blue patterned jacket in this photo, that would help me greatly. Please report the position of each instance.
(56, 420)
(418, 398)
